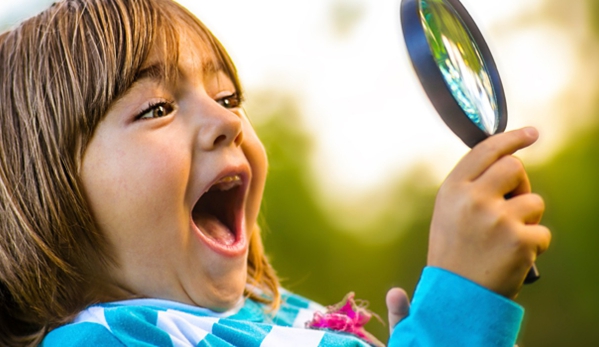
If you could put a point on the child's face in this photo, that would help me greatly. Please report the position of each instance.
(174, 177)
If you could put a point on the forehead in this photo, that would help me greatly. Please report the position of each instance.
(188, 49)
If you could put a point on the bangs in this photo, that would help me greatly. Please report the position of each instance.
(171, 20)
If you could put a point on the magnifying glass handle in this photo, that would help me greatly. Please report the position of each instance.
(533, 275)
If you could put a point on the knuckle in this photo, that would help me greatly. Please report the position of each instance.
(532, 208)
(477, 202)
(449, 189)
(530, 243)
(545, 239)
(487, 146)
(537, 202)
(512, 164)
(503, 221)
(522, 247)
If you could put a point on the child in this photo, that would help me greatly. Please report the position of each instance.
(130, 185)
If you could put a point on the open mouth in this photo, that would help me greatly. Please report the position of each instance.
(218, 213)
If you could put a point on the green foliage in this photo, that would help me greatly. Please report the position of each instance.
(317, 259)
(593, 13)
(562, 307)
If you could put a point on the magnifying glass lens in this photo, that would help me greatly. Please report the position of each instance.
(460, 62)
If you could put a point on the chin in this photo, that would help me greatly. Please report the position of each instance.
(226, 298)
(222, 286)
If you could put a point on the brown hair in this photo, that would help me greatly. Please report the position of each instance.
(59, 73)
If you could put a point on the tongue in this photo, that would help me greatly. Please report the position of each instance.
(212, 227)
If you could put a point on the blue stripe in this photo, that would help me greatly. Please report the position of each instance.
(251, 312)
(295, 300)
(341, 340)
(80, 335)
(286, 316)
(290, 307)
(240, 333)
(213, 341)
(136, 326)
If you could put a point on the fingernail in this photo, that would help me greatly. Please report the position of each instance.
(531, 132)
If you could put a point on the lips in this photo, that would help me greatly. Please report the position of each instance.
(219, 214)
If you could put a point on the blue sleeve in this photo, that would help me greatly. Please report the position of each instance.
(80, 335)
(449, 310)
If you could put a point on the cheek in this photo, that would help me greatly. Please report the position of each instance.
(254, 149)
(256, 155)
(133, 189)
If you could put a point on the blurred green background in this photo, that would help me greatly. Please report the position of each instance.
(318, 257)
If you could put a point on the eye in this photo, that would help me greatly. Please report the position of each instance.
(157, 110)
(230, 101)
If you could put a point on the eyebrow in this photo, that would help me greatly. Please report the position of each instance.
(157, 71)
(154, 71)
(211, 67)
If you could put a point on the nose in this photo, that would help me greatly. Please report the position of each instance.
(220, 128)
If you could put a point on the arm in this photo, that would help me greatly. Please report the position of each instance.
(449, 310)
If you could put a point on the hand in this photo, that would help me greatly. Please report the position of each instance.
(485, 224)
(398, 306)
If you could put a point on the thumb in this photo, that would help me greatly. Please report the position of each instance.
(398, 306)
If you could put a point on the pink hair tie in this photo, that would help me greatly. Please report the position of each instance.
(348, 316)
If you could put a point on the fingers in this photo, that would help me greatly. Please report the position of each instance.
(532, 238)
(398, 306)
(540, 236)
(490, 150)
(527, 208)
(506, 176)
(526, 211)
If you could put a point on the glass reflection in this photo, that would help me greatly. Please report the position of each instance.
(460, 62)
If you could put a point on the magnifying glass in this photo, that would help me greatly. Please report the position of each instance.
(457, 71)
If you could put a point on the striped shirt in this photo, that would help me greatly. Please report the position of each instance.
(447, 310)
(155, 322)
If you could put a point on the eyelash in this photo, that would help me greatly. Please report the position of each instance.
(165, 105)
(230, 101)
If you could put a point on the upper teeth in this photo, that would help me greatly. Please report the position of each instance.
(226, 183)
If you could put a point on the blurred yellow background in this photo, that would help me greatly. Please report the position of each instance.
(357, 152)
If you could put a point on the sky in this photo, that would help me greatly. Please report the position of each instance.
(346, 62)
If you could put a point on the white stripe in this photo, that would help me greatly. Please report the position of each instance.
(185, 329)
(167, 305)
(292, 337)
(303, 316)
(93, 314)
(314, 306)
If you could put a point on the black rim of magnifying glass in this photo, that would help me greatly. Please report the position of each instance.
(433, 81)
